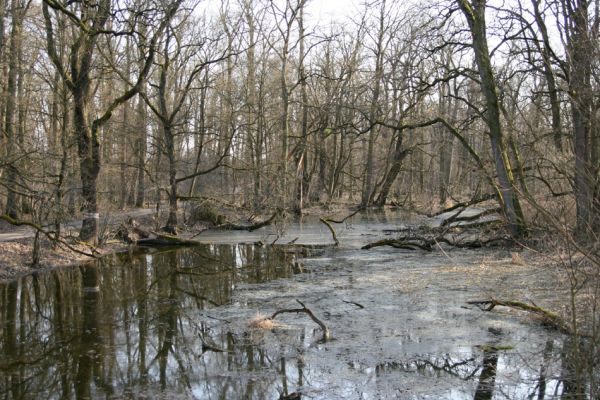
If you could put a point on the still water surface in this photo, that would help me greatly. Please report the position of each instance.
(174, 324)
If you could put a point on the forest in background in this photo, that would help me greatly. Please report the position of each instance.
(107, 105)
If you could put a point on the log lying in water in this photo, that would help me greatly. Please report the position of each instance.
(253, 227)
(130, 232)
(548, 318)
(427, 243)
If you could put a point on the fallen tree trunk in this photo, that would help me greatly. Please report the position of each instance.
(548, 318)
(253, 227)
(427, 243)
(131, 233)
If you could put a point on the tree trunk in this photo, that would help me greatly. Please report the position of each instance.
(581, 92)
(369, 186)
(10, 122)
(474, 12)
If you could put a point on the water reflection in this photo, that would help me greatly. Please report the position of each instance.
(129, 328)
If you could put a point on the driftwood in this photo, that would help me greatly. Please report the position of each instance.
(326, 333)
(548, 318)
(253, 227)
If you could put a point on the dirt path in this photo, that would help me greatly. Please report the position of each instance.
(108, 219)
(16, 246)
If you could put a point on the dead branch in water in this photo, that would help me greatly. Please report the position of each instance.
(326, 222)
(457, 219)
(548, 317)
(305, 310)
(341, 221)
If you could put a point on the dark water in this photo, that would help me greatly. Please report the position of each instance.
(130, 327)
(174, 324)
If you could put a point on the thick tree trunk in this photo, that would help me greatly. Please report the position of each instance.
(10, 122)
(580, 90)
(474, 12)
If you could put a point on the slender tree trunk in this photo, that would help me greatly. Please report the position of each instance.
(141, 149)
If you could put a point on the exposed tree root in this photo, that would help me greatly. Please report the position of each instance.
(548, 318)
(326, 333)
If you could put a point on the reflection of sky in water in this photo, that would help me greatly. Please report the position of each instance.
(159, 318)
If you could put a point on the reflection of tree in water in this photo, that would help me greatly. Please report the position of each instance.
(134, 327)
(484, 370)
(90, 347)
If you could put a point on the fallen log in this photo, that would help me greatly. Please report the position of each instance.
(235, 227)
(131, 233)
(548, 318)
(427, 243)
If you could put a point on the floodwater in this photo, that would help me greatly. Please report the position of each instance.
(174, 323)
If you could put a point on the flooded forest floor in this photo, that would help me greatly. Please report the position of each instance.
(181, 322)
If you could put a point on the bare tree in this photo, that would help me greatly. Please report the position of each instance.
(90, 22)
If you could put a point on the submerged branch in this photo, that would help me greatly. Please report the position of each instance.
(305, 310)
(333, 234)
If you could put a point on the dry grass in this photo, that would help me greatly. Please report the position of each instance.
(263, 322)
